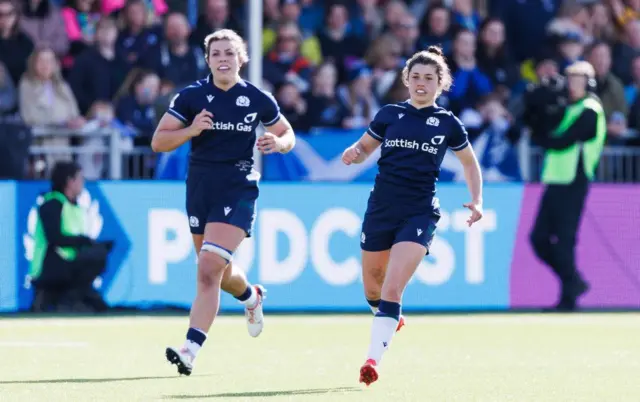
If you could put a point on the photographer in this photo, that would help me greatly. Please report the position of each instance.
(573, 150)
(65, 261)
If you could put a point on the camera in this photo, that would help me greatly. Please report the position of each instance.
(545, 104)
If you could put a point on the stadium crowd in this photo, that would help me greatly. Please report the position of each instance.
(84, 64)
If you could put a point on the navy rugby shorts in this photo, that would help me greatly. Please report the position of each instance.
(387, 223)
(220, 196)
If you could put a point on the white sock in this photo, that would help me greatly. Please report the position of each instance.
(192, 347)
(253, 299)
(382, 331)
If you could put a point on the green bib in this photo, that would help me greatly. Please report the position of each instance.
(72, 223)
(561, 165)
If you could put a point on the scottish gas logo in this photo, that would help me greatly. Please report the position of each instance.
(430, 147)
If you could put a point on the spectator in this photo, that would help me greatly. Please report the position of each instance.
(216, 16)
(602, 27)
(436, 29)
(526, 23)
(394, 10)
(471, 83)
(43, 22)
(384, 58)
(284, 62)
(609, 88)
(45, 98)
(8, 96)
(398, 91)
(494, 58)
(290, 13)
(293, 106)
(366, 19)
(632, 91)
(271, 12)
(154, 9)
(337, 43)
(570, 49)
(357, 99)
(137, 36)
(493, 134)
(176, 60)
(464, 16)
(80, 19)
(66, 261)
(136, 108)
(626, 50)
(15, 45)
(572, 21)
(311, 15)
(406, 30)
(324, 109)
(101, 115)
(167, 91)
(99, 71)
(624, 13)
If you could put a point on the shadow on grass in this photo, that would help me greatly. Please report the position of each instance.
(257, 394)
(87, 380)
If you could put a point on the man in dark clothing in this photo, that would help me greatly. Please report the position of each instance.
(573, 151)
(99, 71)
(66, 262)
(176, 60)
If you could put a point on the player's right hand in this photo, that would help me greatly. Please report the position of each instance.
(202, 121)
(350, 155)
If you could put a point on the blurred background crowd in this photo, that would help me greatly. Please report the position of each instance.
(84, 65)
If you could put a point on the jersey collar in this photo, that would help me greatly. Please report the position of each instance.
(425, 110)
(242, 83)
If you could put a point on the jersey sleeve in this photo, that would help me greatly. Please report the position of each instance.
(180, 109)
(458, 139)
(270, 109)
(378, 126)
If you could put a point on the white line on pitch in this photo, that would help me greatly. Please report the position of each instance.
(41, 344)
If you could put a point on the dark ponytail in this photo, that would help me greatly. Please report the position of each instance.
(435, 50)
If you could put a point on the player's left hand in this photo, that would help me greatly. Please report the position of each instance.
(268, 144)
(476, 212)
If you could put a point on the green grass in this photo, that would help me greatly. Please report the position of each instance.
(523, 357)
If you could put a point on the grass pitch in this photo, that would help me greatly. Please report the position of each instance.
(519, 357)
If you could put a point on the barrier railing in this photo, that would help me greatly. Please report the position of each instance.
(46, 144)
(618, 164)
(139, 163)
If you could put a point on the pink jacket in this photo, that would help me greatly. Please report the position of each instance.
(69, 15)
(109, 6)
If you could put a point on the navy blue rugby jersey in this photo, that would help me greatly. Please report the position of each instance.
(414, 142)
(236, 115)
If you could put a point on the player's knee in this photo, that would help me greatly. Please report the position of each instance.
(210, 267)
(371, 293)
(376, 275)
